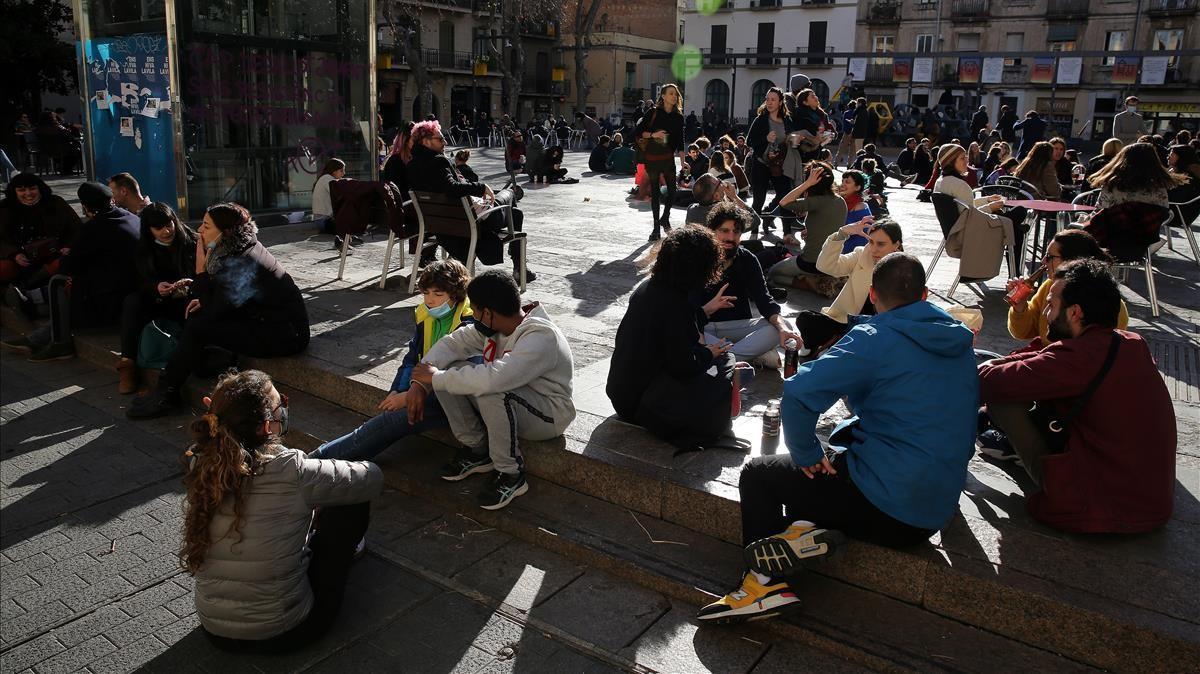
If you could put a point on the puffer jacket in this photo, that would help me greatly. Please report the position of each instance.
(256, 586)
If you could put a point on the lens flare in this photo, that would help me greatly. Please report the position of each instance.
(686, 63)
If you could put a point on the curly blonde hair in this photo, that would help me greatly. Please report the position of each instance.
(229, 448)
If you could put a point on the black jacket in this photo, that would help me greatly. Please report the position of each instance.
(394, 172)
(1005, 126)
(249, 284)
(657, 119)
(467, 173)
(20, 225)
(746, 283)
(978, 121)
(906, 161)
(756, 136)
(1032, 130)
(163, 264)
(866, 125)
(598, 161)
(101, 261)
(431, 171)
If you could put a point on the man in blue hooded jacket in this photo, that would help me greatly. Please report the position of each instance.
(908, 373)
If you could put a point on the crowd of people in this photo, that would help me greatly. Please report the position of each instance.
(271, 532)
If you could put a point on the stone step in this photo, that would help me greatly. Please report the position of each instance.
(1106, 602)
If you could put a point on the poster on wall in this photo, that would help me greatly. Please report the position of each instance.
(1154, 69)
(1125, 70)
(128, 80)
(993, 70)
(1069, 68)
(968, 69)
(857, 68)
(922, 69)
(902, 70)
(1043, 70)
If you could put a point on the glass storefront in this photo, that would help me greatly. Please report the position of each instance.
(229, 100)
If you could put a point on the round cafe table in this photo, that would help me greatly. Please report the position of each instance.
(1048, 207)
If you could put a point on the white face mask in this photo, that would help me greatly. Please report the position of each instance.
(1131, 108)
(164, 244)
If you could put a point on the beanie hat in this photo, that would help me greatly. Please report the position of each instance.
(95, 197)
(799, 82)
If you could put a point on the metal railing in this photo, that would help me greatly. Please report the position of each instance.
(970, 9)
(883, 11)
(1066, 8)
(1169, 7)
(711, 58)
(763, 59)
(766, 4)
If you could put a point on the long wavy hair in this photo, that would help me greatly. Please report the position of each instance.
(1035, 162)
(229, 449)
(661, 104)
(783, 111)
(1136, 168)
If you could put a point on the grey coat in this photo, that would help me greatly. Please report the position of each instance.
(256, 586)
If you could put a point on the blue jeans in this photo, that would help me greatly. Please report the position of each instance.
(380, 431)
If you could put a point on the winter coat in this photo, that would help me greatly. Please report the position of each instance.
(909, 375)
(358, 203)
(1128, 127)
(1032, 130)
(977, 239)
(1117, 474)
(101, 265)
(422, 341)
(856, 267)
(255, 586)
(49, 218)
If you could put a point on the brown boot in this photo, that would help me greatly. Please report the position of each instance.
(129, 376)
(149, 381)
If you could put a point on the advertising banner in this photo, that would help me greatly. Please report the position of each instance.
(922, 70)
(857, 68)
(969, 68)
(1069, 68)
(1154, 69)
(993, 70)
(1043, 70)
(902, 71)
(1125, 70)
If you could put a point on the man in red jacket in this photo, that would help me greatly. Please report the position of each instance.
(1117, 472)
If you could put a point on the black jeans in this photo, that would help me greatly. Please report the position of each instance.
(771, 486)
(660, 204)
(817, 329)
(243, 336)
(761, 180)
(491, 228)
(338, 529)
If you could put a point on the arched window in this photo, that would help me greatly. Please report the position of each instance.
(821, 90)
(758, 92)
(717, 93)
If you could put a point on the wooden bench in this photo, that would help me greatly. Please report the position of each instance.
(440, 215)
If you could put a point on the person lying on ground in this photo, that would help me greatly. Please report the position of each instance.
(899, 465)
(521, 390)
(269, 534)
(242, 301)
(1110, 465)
(95, 274)
(444, 309)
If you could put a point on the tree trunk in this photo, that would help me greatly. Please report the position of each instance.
(583, 43)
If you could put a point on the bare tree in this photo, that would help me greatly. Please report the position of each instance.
(403, 19)
(585, 22)
(512, 18)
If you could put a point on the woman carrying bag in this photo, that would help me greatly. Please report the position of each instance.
(767, 139)
(659, 141)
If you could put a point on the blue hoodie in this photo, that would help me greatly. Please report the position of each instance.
(909, 375)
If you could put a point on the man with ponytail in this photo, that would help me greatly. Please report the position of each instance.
(269, 574)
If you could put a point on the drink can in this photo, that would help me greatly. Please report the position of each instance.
(771, 421)
(1019, 293)
(791, 358)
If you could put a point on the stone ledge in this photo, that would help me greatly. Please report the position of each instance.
(1053, 592)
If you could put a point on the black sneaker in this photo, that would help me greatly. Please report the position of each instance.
(465, 464)
(992, 443)
(654, 236)
(19, 344)
(502, 489)
(157, 403)
(530, 277)
(59, 351)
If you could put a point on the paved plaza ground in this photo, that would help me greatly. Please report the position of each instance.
(90, 517)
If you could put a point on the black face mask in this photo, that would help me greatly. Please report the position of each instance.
(485, 330)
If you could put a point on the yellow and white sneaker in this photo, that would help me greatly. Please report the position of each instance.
(751, 601)
(784, 554)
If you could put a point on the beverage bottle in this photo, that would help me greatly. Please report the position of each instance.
(791, 358)
(1023, 288)
(771, 419)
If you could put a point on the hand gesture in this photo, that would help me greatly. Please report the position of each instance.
(721, 301)
(22, 260)
(415, 400)
(719, 348)
(201, 254)
(860, 228)
(815, 175)
(824, 467)
(394, 402)
(165, 288)
(192, 308)
(660, 136)
(786, 333)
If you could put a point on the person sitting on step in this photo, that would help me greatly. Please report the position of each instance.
(94, 276)
(445, 308)
(268, 533)
(725, 303)
(35, 226)
(1089, 414)
(521, 390)
(908, 373)
(166, 262)
(242, 300)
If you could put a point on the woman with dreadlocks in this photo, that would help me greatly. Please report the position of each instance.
(270, 573)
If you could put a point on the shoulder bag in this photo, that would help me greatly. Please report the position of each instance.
(1054, 428)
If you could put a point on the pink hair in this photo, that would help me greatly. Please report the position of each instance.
(402, 145)
(423, 130)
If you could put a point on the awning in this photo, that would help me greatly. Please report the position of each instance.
(1063, 32)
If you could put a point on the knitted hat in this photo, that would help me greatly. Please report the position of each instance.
(95, 197)
(799, 82)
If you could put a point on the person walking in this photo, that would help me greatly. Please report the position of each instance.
(659, 136)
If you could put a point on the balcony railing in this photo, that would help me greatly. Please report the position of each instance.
(815, 3)
(1063, 9)
(728, 4)
(1172, 7)
(879, 72)
(632, 96)
(883, 12)
(766, 4)
(815, 60)
(711, 58)
(435, 58)
(763, 58)
(970, 10)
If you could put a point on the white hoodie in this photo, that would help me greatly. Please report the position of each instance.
(535, 355)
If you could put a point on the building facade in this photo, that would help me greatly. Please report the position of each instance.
(617, 75)
(1050, 31)
(747, 46)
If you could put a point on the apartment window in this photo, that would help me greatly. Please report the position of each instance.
(1168, 40)
(883, 44)
(717, 44)
(925, 43)
(968, 42)
(1115, 40)
(816, 40)
(1062, 37)
(1065, 45)
(766, 42)
(631, 76)
(1014, 42)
